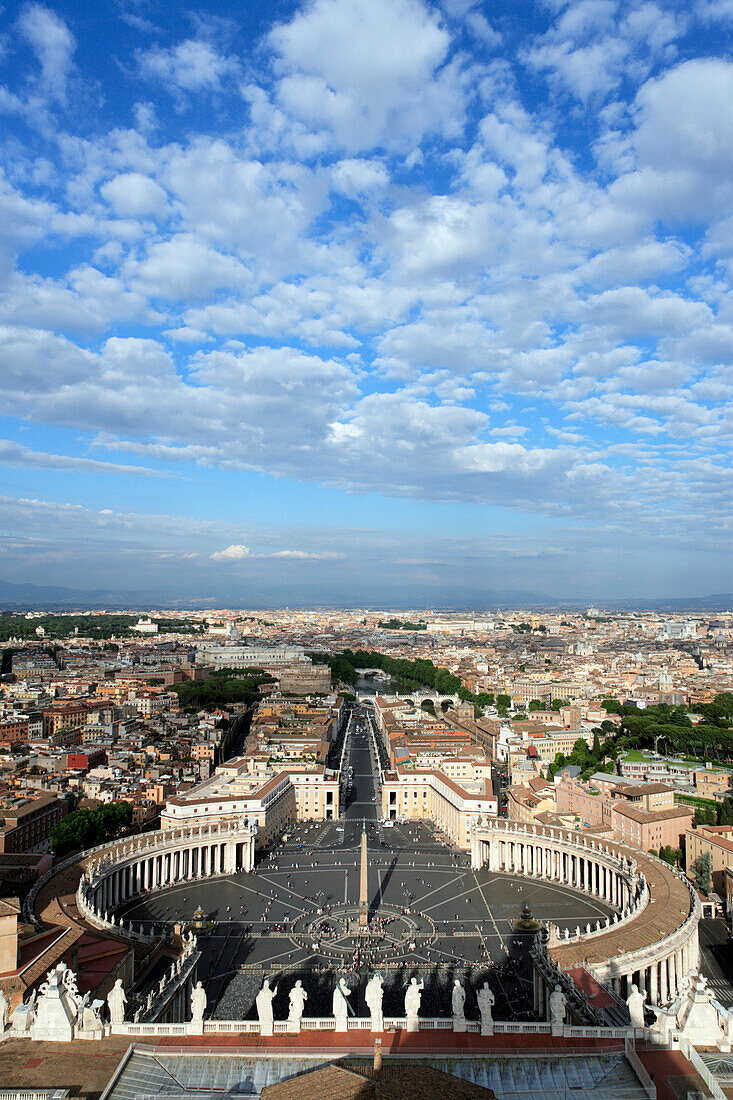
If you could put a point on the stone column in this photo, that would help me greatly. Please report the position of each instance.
(653, 989)
(663, 982)
(674, 973)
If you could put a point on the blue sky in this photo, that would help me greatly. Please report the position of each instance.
(367, 297)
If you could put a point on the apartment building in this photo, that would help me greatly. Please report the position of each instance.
(251, 789)
(27, 822)
(415, 794)
(717, 842)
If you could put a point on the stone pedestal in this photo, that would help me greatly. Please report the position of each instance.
(459, 1023)
(54, 1022)
(91, 1024)
(293, 1027)
(23, 1019)
(266, 1027)
(487, 1029)
(413, 1023)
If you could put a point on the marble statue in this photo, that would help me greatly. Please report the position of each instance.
(263, 1003)
(198, 1002)
(458, 1000)
(373, 996)
(635, 1002)
(557, 1007)
(4, 1005)
(486, 1001)
(116, 1001)
(340, 1005)
(297, 999)
(412, 1003)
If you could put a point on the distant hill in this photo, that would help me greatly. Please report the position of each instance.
(382, 597)
(14, 596)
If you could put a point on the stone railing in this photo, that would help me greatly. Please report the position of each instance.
(106, 922)
(397, 1023)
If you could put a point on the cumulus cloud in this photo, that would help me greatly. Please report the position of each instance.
(235, 552)
(134, 195)
(193, 66)
(54, 45)
(369, 71)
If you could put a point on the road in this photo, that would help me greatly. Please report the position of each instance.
(716, 959)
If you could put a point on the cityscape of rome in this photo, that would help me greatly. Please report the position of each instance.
(366, 571)
(332, 833)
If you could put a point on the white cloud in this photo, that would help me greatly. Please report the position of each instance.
(192, 66)
(14, 454)
(235, 552)
(358, 176)
(184, 268)
(133, 195)
(305, 555)
(53, 44)
(368, 71)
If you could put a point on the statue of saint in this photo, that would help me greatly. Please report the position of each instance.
(4, 1005)
(198, 1002)
(458, 1000)
(298, 997)
(486, 1001)
(263, 1002)
(340, 1005)
(557, 1007)
(412, 997)
(116, 1001)
(635, 1002)
(373, 995)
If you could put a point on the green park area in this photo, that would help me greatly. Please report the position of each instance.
(97, 627)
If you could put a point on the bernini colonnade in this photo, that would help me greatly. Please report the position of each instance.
(652, 938)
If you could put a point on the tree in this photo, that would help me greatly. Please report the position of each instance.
(503, 701)
(704, 815)
(85, 828)
(536, 704)
(725, 812)
(703, 873)
(556, 704)
(611, 705)
(596, 745)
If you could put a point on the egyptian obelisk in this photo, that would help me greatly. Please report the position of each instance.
(363, 896)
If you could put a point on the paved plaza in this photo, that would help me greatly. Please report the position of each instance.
(429, 912)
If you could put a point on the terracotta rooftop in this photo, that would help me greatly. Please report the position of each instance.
(366, 1083)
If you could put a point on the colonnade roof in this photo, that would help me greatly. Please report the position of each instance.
(668, 909)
